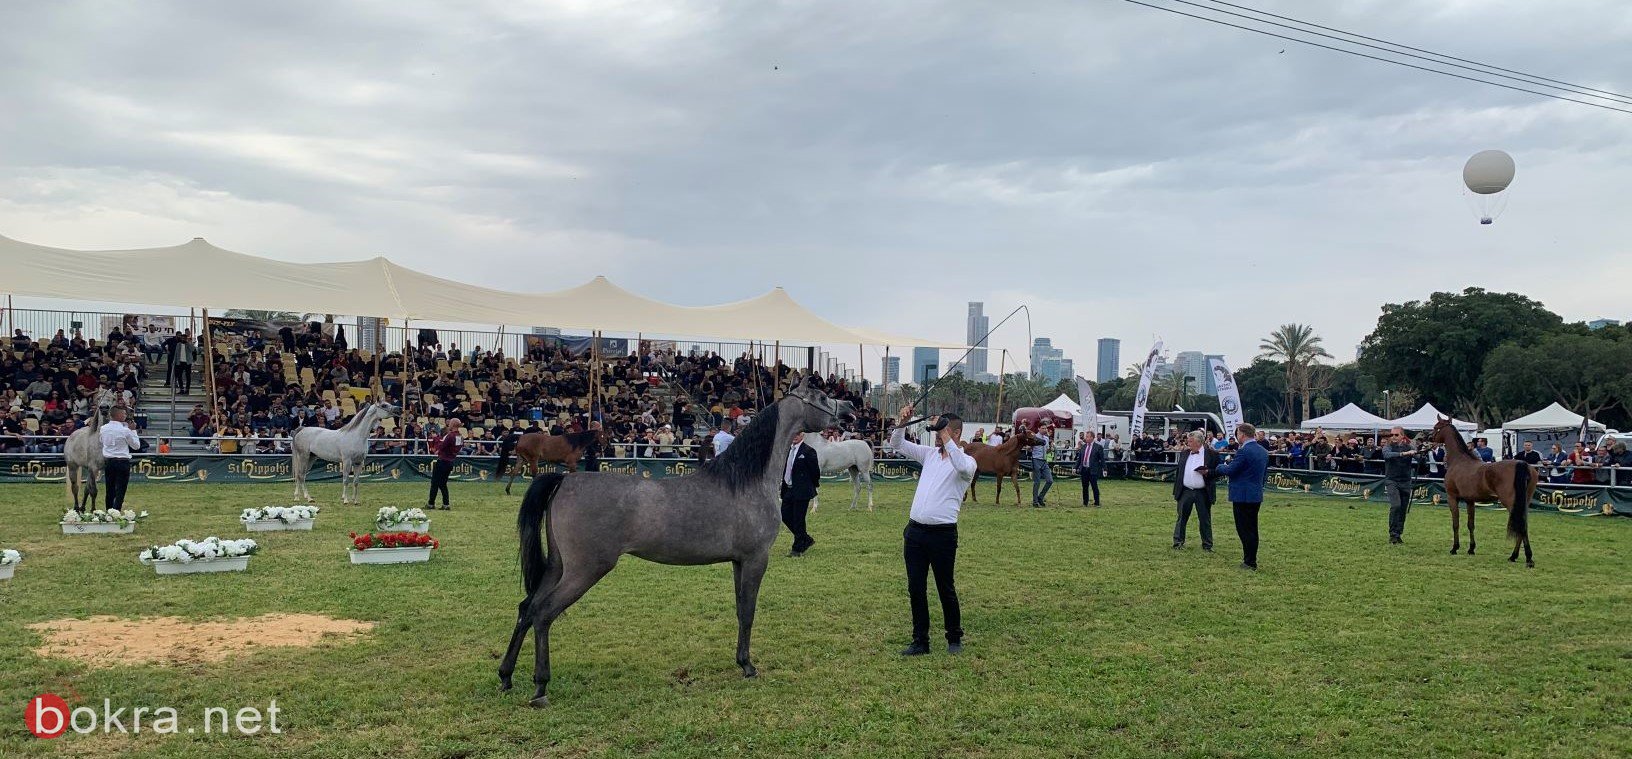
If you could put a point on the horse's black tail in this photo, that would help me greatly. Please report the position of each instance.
(530, 523)
(504, 461)
(1518, 517)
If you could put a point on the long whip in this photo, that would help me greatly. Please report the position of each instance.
(955, 364)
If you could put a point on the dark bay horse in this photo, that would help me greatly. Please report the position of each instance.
(1469, 480)
(1001, 460)
(536, 447)
(726, 511)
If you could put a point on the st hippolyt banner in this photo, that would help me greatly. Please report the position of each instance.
(215, 468)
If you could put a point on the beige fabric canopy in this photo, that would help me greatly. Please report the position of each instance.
(200, 274)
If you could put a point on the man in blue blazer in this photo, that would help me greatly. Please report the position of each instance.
(1247, 470)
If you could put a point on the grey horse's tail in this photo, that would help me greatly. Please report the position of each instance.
(530, 523)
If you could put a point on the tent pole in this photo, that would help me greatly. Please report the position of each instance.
(1002, 366)
(776, 373)
(209, 369)
(407, 361)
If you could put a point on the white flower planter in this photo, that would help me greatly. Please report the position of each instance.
(416, 555)
(197, 566)
(278, 525)
(96, 528)
(6, 570)
(420, 527)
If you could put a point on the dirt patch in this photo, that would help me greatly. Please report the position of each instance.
(109, 641)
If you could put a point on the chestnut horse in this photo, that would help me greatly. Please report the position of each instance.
(535, 447)
(1468, 480)
(1002, 460)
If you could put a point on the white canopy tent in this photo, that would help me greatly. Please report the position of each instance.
(1426, 417)
(1350, 417)
(1065, 404)
(202, 275)
(1554, 424)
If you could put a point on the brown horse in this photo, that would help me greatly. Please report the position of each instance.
(1469, 480)
(535, 447)
(1002, 460)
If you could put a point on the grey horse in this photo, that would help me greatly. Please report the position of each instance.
(82, 456)
(727, 511)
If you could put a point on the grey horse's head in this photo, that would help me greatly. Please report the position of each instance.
(386, 408)
(814, 410)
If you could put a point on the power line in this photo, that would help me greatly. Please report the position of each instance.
(1493, 67)
(1521, 77)
(1441, 72)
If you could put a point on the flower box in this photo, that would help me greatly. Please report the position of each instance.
(98, 528)
(391, 519)
(278, 525)
(8, 563)
(391, 555)
(276, 518)
(7, 570)
(400, 547)
(196, 566)
(110, 522)
(212, 554)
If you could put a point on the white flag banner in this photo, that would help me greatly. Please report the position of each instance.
(1229, 399)
(1089, 418)
(1144, 391)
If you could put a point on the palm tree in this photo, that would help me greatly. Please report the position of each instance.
(1298, 348)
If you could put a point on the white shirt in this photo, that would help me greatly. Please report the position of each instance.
(995, 440)
(942, 482)
(1193, 478)
(117, 440)
(793, 455)
(722, 441)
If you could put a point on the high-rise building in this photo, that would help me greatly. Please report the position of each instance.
(926, 366)
(1192, 364)
(892, 370)
(371, 334)
(978, 324)
(1110, 359)
(1207, 369)
(1048, 362)
(1602, 323)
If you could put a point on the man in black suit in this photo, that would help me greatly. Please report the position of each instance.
(1195, 488)
(800, 479)
(1091, 466)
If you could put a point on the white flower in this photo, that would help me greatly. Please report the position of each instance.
(10, 556)
(115, 514)
(72, 517)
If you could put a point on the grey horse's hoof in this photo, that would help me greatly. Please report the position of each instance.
(748, 672)
(539, 702)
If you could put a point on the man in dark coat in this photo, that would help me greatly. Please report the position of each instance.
(800, 479)
(1091, 466)
(1195, 488)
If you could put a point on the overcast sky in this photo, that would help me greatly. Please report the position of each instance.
(1125, 172)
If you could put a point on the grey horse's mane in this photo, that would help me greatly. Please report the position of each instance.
(356, 418)
(743, 464)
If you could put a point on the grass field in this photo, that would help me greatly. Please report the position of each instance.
(1087, 635)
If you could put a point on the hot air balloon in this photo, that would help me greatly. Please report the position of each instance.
(1487, 175)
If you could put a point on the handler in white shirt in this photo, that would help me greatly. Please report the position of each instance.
(722, 439)
(931, 538)
(118, 441)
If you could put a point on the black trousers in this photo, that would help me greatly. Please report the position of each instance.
(117, 474)
(1089, 482)
(927, 547)
(1246, 526)
(439, 481)
(1194, 500)
(1399, 505)
(183, 377)
(793, 515)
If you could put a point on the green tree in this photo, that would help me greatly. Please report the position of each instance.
(1262, 386)
(1440, 346)
(1588, 373)
(1298, 349)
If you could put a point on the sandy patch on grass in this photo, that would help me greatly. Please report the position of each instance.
(108, 641)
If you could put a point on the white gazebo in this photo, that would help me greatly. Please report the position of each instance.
(1554, 424)
(1350, 417)
(1065, 404)
(1426, 417)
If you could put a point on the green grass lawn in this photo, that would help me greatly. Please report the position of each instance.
(1087, 635)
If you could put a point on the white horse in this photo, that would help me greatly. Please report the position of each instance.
(853, 456)
(347, 446)
(82, 455)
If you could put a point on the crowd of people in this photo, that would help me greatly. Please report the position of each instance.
(52, 385)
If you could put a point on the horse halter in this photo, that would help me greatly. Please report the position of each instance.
(830, 412)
